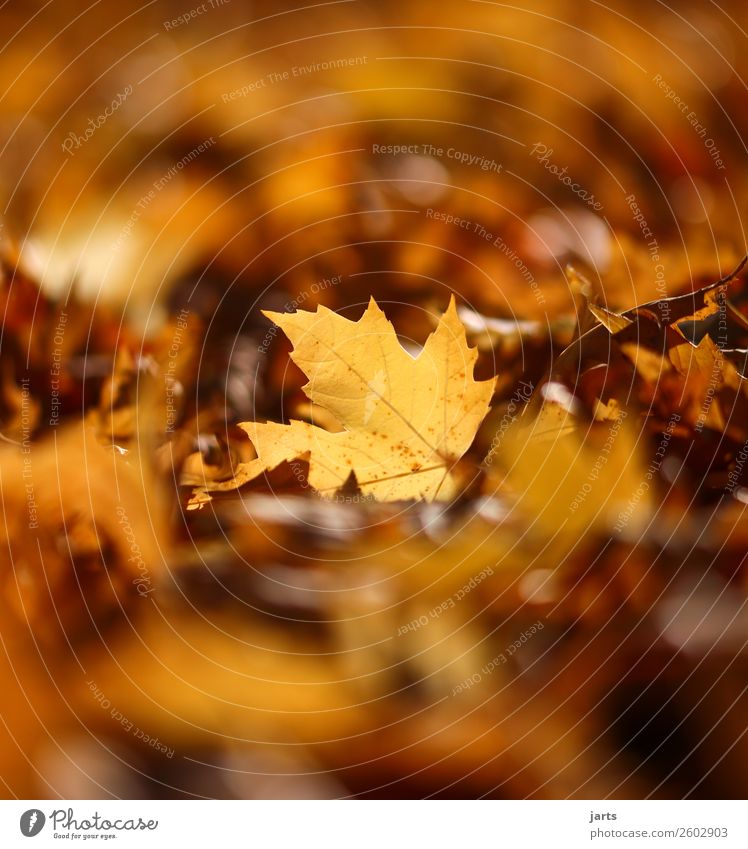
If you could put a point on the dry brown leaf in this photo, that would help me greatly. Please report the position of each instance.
(613, 321)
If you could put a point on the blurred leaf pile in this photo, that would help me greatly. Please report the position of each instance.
(572, 622)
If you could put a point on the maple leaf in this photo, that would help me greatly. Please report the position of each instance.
(406, 420)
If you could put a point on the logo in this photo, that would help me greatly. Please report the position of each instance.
(32, 822)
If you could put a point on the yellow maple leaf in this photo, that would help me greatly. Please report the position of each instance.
(406, 420)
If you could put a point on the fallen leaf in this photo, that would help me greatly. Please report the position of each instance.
(406, 420)
(613, 321)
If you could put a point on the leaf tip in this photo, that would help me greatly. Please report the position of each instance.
(272, 315)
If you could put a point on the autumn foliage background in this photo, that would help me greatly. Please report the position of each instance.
(572, 622)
